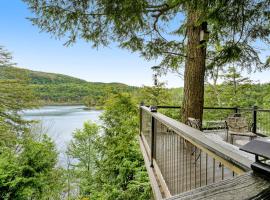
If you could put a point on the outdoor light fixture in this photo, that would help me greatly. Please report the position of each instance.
(153, 109)
(204, 33)
(155, 69)
(155, 76)
(261, 149)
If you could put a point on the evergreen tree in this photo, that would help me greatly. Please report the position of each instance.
(28, 171)
(121, 173)
(27, 161)
(174, 30)
(15, 95)
(83, 152)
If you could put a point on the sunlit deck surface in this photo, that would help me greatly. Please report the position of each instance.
(185, 163)
(248, 186)
(222, 136)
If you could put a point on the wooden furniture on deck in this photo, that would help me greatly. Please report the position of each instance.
(238, 126)
(194, 123)
(215, 125)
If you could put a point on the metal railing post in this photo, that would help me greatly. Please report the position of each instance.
(254, 119)
(236, 109)
(141, 104)
(153, 139)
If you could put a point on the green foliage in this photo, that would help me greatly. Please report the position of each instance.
(30, 172)
(52, 88)
(82, 146)
(107, 164)
(121, 173)
(247, 95)
(27, 161)
(235, 90)
(83, 151)
(156, 95)
(15, 95)
(160, 96)
(5, 57)
(166, 30)
(158, 29)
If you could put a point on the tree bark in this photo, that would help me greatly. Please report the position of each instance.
(194, 70)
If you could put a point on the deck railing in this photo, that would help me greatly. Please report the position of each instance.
(258, 119)
(180, 158)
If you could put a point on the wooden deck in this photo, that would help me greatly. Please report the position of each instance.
(221, 135)
(247, 186)
(185, 163)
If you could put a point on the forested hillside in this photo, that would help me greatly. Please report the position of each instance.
(50, 88)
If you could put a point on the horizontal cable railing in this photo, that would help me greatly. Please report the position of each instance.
(182, 158)
(258, 119)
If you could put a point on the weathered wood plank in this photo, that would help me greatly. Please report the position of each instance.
(156, 170)
(153, 180)
(219, 141)
(247, 186)
(186, 159)
(163, 184)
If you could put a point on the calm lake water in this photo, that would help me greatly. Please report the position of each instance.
(60, 121)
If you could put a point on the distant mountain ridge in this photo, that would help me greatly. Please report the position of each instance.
(52, 88)
(39, 77)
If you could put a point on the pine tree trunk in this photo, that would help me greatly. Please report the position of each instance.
(194, 71)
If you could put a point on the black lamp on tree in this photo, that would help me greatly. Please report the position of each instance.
(155, 70)
(204, 33)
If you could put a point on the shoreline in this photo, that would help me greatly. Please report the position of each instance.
(72, 104)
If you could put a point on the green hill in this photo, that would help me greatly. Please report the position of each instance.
(51, 88)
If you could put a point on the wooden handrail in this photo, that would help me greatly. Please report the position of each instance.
(197, 138)
(170, 145)
(174, 153)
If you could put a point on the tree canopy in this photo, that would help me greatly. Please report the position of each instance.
(159, 28)
(27, 160)
(15, 95)
(51, 88)
(108, 164)
(170, 30)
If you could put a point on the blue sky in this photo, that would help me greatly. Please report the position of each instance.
(38, 51)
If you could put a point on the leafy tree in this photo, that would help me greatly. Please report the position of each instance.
(228, 91)
(82, 150)
(15, 95)
(157, 95)
(30, 172)
(120, 170)
(235, 79)
(212, 77)
(27, 162)
(167, 29)
(5, 57)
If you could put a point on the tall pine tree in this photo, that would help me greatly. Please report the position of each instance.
(168, 29)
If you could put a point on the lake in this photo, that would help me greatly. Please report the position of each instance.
(60, 121)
